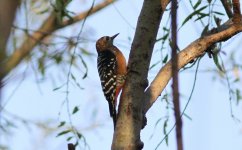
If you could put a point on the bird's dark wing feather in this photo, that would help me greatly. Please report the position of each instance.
(107, 66)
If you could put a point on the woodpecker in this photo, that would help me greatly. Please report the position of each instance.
(112, 71)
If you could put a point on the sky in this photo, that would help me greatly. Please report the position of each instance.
(210, 126)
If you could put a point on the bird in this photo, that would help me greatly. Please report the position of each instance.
(112, 70)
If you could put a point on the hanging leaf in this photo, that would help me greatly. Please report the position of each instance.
(85, 66)
(62, 123)
(69, 138)
(63, 132)
(197, 4)
(165, 59)
(216, 61)
(165, 131)
(58, 58)
(73, 77)
(79, 135)
(75, 110)
(201, 16)
(57, 88)
(238, 96)
(152, 66)
(41, 65)
(218, 13)
(196, 12)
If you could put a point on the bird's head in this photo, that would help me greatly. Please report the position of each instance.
(105, 42)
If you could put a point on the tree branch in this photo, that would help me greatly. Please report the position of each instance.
(70, 146)
(192, 51)
(130, 116)
(48, 26)
(237, 13)
(174, 72)
(227, 8)
(7, 15)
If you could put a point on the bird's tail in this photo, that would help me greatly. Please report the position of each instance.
(112, 111)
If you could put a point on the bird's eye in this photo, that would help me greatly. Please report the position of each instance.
(107, 38)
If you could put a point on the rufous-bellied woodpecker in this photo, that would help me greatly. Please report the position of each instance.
(112, 71)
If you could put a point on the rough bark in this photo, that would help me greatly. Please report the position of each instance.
(130, 118)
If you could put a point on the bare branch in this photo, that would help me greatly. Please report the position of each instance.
(48, 26)
(237, 13)
(192, 51)
(227, 8)
(174, 72)
(7, 14)
(71, 146)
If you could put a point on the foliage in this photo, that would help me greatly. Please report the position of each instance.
(66, 49)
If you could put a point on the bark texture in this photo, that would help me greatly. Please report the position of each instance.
(130, 117)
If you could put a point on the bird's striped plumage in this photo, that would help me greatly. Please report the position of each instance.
(107, 66)
(112, 71)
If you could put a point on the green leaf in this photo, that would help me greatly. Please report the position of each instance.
(69, 138)
(153, 65)
(238, 96)
(166, 29)
(197, 4)
(85, 66)
(75, 110)
(196, 12)
(165, 59)
(201, 16)
(216, 61)
(57, 88)
(41, 65)
(218, 13)
(79, 86)
(73, 77)
(62, 123)
(165, 37)
(58, 58)
(79, 135)
(63, 132)
(165, 130)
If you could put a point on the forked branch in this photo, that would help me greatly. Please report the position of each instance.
(191, 52)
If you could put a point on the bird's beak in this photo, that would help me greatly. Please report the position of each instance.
(114, 36)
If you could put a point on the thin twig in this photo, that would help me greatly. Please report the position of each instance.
(229, 89)
(69, 74)
(175, 82)
(188, 101)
